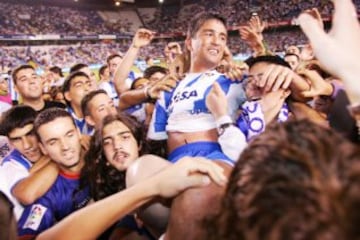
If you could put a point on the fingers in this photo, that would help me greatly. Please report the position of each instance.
(217, 89)
(312, 30)
(345, 15)
(207, 168)
(275, 77)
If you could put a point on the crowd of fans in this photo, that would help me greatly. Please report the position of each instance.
(66, 55)
(261, 149)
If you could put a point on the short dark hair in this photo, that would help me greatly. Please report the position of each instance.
(18, 69)
(77, 67)
(67, 82)
(57, 70)
(87, 98)
(297, 180)
(196, 23)
(16, 117)
(112, 56)
(132, 87)
(154, 69)
(268, 58)
(49, 115)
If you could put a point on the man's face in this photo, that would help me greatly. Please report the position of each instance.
(293, 61)
(79, 87)
(99, 107)
(141, 83)
(208, 45)
(106, 74)
(92, 77)
(255, 73)
(113, 65)
(120, 146)
(28, 84)
(25, 141)
(60, 139)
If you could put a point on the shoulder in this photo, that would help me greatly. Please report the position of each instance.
(50, 104)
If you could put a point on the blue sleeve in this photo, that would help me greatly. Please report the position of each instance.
(36, 218)
(159, 120)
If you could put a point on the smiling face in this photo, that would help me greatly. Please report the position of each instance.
(60, 139)
(28, 84)
(25, 141)
(119, 144)
(208, 45)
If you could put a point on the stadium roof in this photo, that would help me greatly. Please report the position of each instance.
(100, 3)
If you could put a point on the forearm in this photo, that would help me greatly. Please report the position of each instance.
(131, 98)
(297, 86)
(105, 212)
(124, 69)
(36, 185)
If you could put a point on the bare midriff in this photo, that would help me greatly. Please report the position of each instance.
(177, 139)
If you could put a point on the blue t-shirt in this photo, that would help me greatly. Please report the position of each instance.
(63, 198)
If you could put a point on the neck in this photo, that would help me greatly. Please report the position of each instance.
(73, 170)
(77, 111)
(36, 104)
(200, 66)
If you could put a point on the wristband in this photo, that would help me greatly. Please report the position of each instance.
(221, 129)
(223, 120)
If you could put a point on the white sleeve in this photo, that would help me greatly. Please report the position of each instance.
(232, 140)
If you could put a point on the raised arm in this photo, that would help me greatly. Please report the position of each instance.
(142, 38)
(339, 50)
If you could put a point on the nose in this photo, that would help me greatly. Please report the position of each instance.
(117, 144)
(215, 39)
(26, 142)
(110, 110)
(64, 145)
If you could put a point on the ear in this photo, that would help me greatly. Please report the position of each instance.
(89, 121)
(188, 44)
(67, 96)
(42, 148)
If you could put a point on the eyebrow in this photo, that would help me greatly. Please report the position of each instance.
(26, 134)
(52, 139)
(119, 133)
(213, 31)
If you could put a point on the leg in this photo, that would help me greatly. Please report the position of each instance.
(190, 209)
(154, 215)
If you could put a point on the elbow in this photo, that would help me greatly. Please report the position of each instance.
(25, 197)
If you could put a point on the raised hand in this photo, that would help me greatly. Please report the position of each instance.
(142, 38)
(339, 50)
(256, 24)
